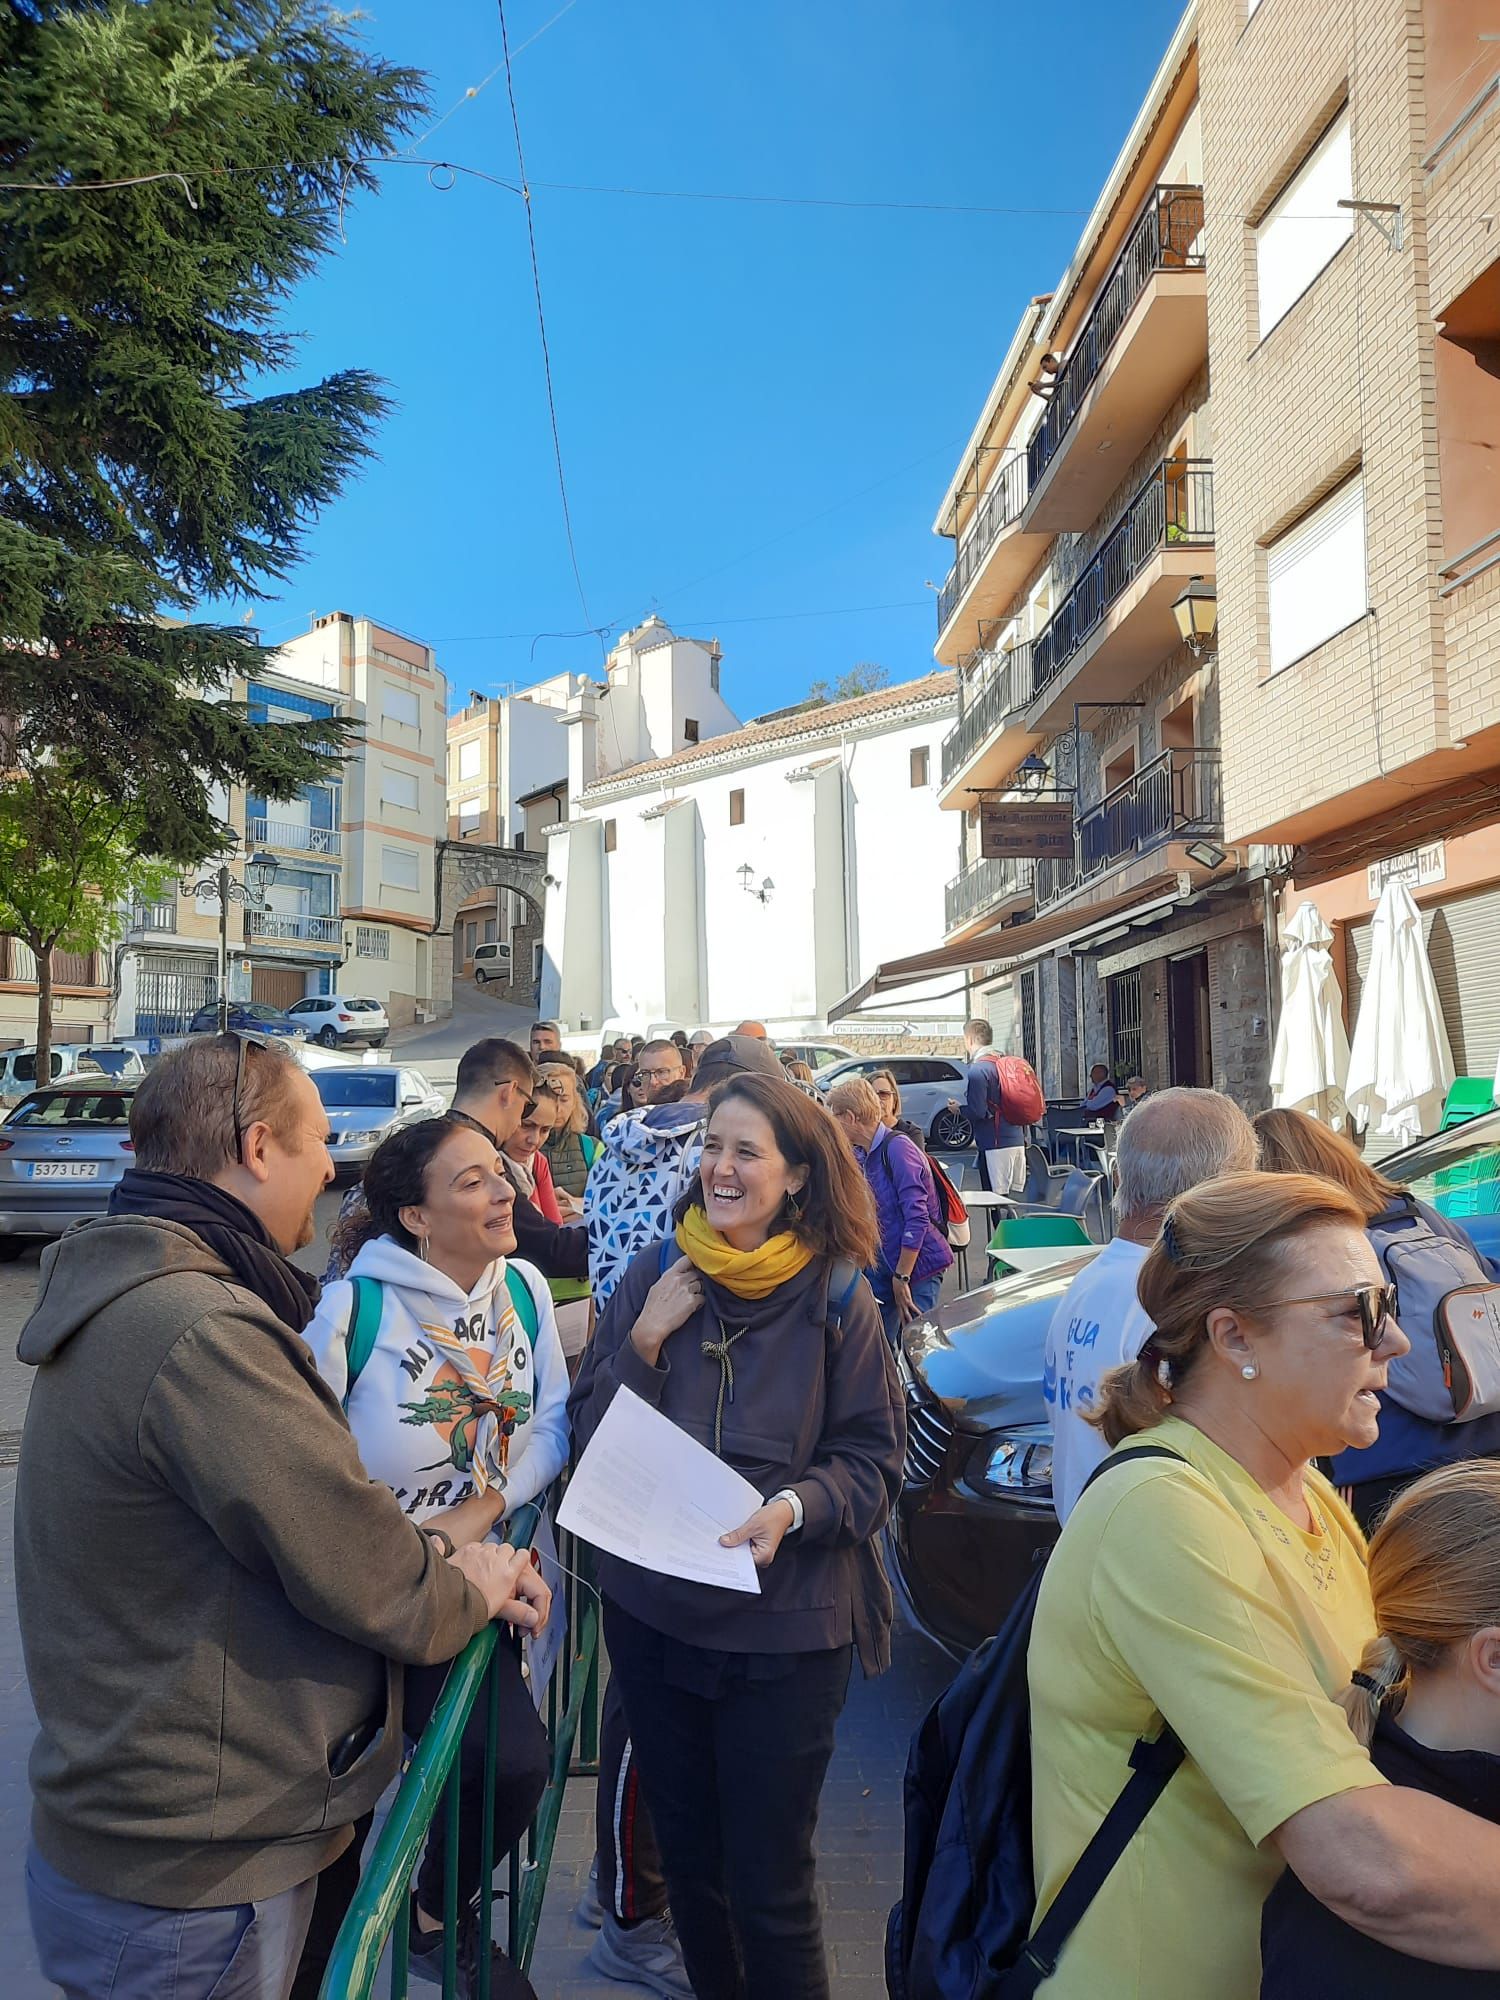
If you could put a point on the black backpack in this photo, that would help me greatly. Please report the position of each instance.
(962, 1929)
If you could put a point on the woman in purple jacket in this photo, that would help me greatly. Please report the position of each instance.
(914, 1251)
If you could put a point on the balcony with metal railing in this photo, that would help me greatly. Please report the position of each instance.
(1142, 343)
(293, 929)
(1176, 797)
(323, 842)
(995, 556)
(989, 739)
(160, 916)
(988, 889)
(1115, 626)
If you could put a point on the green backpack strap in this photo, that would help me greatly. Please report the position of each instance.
(521, 1298)
(590, 1147)
(364, 1329)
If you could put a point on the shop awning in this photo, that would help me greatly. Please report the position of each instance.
(1018, 943)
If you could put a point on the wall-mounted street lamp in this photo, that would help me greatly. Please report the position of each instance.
(747, 883)
(260, 873)
(1197, 615)
(1033, 773)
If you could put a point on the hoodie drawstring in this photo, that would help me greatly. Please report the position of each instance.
(718, 1350)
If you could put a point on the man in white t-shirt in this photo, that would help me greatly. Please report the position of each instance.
(1171, 1142)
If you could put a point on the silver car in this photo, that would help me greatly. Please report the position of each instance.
(929, 1085)
(62, 1150)
(367, 1104)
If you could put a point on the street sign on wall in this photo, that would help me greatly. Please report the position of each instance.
(1013, 829)
(1416, 868)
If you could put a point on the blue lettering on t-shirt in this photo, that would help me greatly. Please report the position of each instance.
(1083, 1332)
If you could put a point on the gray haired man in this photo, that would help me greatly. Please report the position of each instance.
(1171, 1142)
(215, 1598)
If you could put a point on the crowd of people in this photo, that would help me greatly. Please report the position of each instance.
(286, 1503)
(257, 1517)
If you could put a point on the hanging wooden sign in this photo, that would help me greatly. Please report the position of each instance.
(1013, 829)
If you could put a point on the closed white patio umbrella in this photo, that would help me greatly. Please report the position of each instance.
(1310, 1063)
(1401, 1067)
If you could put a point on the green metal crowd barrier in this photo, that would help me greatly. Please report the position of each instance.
(378, 1914)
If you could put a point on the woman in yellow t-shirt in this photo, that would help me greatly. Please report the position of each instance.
(1227, 1594)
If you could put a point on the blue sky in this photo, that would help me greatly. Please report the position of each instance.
(760, 405)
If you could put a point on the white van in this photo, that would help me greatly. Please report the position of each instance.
(18, 1066)
(492, 961)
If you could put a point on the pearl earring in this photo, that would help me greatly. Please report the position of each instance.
(1249, 1371)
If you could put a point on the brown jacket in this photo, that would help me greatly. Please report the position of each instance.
(214, 1598)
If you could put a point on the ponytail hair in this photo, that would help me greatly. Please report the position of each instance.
(396, 1178)
(1221, 1244)
(1435, 1582)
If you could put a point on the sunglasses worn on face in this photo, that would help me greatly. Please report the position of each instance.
(1377, 1308)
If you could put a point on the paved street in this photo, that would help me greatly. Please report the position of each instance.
(859, 1836)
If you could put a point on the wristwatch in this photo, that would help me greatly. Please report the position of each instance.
(794, 1500)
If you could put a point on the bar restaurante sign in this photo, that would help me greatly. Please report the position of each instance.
(1025, 828)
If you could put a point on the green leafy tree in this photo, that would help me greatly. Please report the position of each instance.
(866, 678)
(146, 463)
(70, 865)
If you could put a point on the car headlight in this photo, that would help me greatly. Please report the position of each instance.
(1015, 1464)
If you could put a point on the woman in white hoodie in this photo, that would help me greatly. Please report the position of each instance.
(445, 1354)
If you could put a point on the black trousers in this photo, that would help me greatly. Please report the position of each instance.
(732, 1768)
(631, 1883)
(523, 1762)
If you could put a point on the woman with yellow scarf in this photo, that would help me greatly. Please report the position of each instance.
(760, 1338)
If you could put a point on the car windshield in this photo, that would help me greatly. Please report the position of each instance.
(115, 1062)
(1458, 1174)
(262, 1013)
(73, 1107)
(355, 1090)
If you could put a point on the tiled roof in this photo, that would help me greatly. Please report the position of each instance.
(807, 724)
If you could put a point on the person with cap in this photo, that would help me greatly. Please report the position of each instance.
(648, 1163)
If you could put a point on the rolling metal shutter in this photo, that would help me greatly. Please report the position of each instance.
(1463, 943)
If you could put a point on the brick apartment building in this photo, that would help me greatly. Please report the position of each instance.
(1247, 378)
(1356, 366)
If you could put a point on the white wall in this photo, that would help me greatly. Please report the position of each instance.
(843, 896)
(535, 754)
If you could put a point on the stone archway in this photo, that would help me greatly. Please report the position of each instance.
(464, 867)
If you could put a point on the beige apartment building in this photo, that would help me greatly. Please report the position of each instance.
(1352, 185)
(353, 903)
(1084, 520)
(1262, 405)
(507, 755)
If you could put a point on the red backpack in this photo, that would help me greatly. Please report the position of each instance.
(1021, 1099)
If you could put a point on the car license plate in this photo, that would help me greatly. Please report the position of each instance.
(65, 1170)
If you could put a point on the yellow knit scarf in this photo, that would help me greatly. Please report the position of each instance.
(749, 1274)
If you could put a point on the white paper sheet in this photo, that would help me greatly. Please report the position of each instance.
(647, 1492)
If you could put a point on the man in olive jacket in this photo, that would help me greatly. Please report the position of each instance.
(215, 1600)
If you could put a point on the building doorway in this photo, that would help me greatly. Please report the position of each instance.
(1189, 1042)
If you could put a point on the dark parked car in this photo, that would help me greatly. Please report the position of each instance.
(249, 1017)
(975, 1511)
